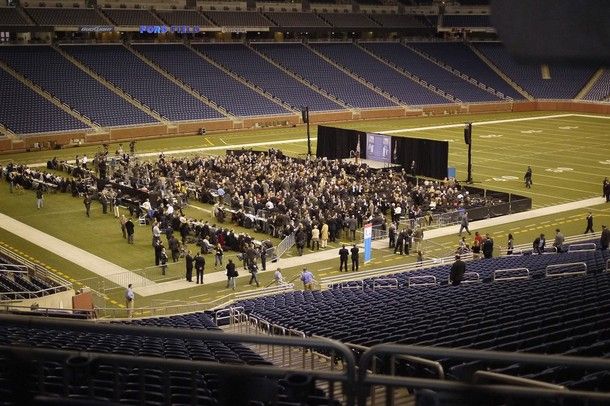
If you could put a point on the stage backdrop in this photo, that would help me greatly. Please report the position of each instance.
(430, 156)
(337, 143)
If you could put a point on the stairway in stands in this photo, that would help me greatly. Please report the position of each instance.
(299, 358)
(408, 75)
(454, 71)
(583, 92)
(120, 92)
(351, 74)
(298, 78)
(241, 79)
(500, 73)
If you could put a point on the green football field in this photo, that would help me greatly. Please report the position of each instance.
(569, 155)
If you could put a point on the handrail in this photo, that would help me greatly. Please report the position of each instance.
(591, 247)
(347, 377)
(549, 268)
(503, 378)
(392, 283)
(365, 379)
(410, 358)
(474, 277)
(496, 274)
(422, 278)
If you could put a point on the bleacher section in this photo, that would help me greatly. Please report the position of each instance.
(553, 315)
(65, 16)
(28, 112)
(398, 20)
(601, 88)
(118, 65)
(131, 17)
(54, 73)
(430, 72)
(348, 20)
(10, 16)
(16, 286)
(183, 388)
(240, 59)
(238, 19)
(381, 75)
(466, 21)
(183, 17)
(459, 56)
(198, 73)
(299, 59)
(296, 19)
(565, 82)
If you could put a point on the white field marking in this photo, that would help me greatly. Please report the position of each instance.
(568, 127)
(591, 116)
(530, 131)
(508, 120)
(200, 208)
(325, 269)
(606, 162)
(223, 141)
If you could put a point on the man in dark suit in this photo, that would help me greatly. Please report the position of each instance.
(458, 269)
(189, 266)
(488, 246)
(129, 229)
(199, 267)
(604, 241)
(355, 258)
(589, 223)
(343, 254)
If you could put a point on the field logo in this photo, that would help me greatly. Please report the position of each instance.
(505, 178)
(559, 169)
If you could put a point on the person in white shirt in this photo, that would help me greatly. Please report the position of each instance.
(156, 231)
(278, 278)
(315, 238)
(129, 299)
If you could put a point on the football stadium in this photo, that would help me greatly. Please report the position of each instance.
(304, 202)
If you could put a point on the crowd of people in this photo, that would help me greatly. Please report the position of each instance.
(318, 200)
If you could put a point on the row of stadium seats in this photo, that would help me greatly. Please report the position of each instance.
(133, 385)
(61, 78)
(329, 88)
(136, 17)
(561, 315)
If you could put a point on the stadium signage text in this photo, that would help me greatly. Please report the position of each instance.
(162, 29)
(96, 28)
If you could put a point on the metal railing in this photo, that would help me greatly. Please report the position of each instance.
(35, 269)
(356, 380)
(569, 240)
(285, 245)
(513, 389)
(499, 274)
(565, 269)
(346, 377)
(423, 280)
(588, 246)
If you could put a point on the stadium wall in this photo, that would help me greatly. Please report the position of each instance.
(57, 140)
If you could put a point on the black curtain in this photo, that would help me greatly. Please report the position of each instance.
(431, 157)
(336, 143)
